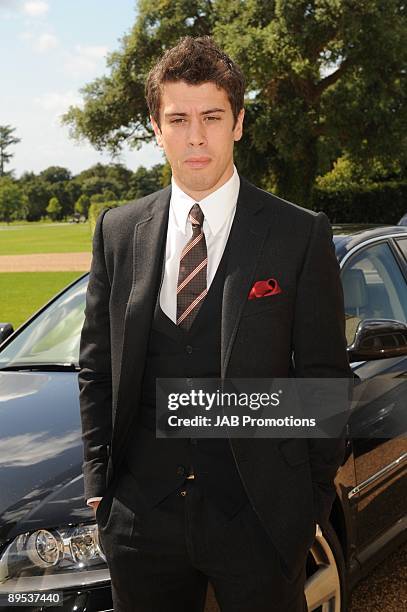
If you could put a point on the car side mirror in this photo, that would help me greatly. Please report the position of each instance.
(378, 339)
(6, 329)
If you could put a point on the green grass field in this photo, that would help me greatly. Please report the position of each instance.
(24, 239)
(23, 293)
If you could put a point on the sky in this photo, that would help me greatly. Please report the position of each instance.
(49, 50)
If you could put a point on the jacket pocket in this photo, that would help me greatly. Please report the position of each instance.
(268, 302)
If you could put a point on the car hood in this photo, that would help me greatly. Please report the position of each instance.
(41, 483)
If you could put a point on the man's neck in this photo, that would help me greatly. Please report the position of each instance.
(197, 196)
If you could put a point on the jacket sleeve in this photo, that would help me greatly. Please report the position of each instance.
(319, 346)
(95, 377)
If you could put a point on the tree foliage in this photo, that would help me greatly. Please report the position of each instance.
(111, 182)
(145, 181)
(12, 201)
(54, 208)
(325, 78)
(7, 139)
(56, 174)
(82, 205)
(348, 174)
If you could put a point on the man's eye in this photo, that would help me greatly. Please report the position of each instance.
(179, 120)
(212, 118)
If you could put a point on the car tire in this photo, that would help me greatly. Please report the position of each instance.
(326, 582)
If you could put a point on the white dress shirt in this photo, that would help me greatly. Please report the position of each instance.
(219, 209)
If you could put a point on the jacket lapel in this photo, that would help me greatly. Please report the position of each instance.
(247, 236)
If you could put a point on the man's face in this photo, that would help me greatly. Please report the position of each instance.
(197, 135)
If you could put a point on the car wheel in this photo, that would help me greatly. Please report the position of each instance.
(325, 587)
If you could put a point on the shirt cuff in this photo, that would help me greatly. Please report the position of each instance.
(91, 499)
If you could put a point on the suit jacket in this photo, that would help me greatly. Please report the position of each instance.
(299, 332)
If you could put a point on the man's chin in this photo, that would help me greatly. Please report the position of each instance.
(198, 182)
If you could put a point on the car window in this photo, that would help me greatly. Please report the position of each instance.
(374, 287)
(53, 336)
(402, 242)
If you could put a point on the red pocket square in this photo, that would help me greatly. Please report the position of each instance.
(262, 288)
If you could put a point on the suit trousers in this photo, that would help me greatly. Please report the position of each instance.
(162, 560)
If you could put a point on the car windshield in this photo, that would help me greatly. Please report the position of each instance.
(54, 335)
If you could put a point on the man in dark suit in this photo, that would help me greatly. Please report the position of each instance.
(168, 298)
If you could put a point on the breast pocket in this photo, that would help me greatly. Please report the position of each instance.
(267, 303)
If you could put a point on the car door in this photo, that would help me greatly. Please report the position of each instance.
(374, 279)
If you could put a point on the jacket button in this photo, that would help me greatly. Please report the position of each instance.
(189, 349)
(180, 470)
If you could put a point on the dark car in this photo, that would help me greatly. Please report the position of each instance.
(403, 220)
(48, 536)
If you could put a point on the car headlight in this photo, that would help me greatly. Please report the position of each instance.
(53, 559)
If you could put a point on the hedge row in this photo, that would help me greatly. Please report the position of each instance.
(381, 203)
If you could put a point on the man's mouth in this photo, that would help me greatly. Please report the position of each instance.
(197, 162)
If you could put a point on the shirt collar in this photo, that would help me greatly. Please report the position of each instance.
(217, 207)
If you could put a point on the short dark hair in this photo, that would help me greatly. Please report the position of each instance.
(195, 60)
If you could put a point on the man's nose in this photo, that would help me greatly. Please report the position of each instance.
(196, 133)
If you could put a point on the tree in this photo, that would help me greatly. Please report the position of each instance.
(56, 174)
(346, 173)
(7, 139)
(99, 177)
(145, 181)
(82, 205)
(120, 176)
(54, 208)
(72, 191)
(38, 195)
(105, 196)
(59, 182)
(12, 201)
(324, 78)
(94, 185)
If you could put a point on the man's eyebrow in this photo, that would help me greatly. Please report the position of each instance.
(207, 112)
(213, 110)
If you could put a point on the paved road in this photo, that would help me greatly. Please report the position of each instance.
(384, 590)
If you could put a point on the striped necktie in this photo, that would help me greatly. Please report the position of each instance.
(191, 288)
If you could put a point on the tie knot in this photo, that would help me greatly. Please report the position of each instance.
(196, 216)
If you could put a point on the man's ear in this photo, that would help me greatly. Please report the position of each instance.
(238, 129)
(157, 131)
